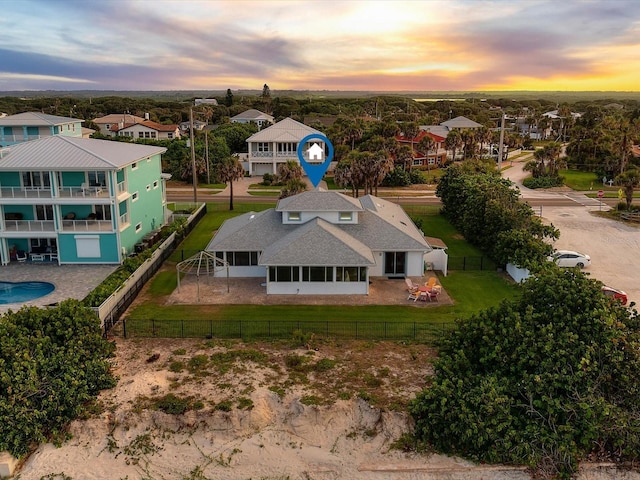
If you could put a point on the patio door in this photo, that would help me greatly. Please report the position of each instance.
(44, 212)
(395, 264)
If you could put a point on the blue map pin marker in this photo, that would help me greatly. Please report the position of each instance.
(315, 171)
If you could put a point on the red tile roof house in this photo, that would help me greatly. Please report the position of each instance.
(434, 158)
(114, 119)
(147, 129)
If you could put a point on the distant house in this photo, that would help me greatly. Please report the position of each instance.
(460, 123)
(434, 158)
(27, 126)
(205, 101)
(554, 114)
(253, 115)
(322, 242)
(114, 120)
(79, 200)
(147, 130)
(197, 125)
(276, 145)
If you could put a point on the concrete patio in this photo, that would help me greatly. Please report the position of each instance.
(70, 281)
(382, 291)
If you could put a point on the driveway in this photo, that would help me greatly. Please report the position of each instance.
(613, 246)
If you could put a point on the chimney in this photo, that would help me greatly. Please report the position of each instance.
(146, 116)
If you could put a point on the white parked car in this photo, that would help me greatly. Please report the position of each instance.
(569, 258)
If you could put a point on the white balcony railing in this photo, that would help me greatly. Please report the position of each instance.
(83, 192)
(19, 138)
(25, 192)
(87, 225)
(122, 187)
(29, 225)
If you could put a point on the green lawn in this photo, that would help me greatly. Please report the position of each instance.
(582, 181)
(259, 186)
(471, 291)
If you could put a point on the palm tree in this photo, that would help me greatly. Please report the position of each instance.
(404, 156)
(483, 135)
(229, 170)
(293, 187)
(468, 140)
(453, 142)
(383, 165)
(425, 145)
(291, 170)
(410, 131)
(629, 180)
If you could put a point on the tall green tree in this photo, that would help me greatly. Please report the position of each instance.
(453, 142)
(228, 99)
(546, 380)
(629, 180)
(228, 170)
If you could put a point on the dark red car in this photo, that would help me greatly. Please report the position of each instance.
(615, 294)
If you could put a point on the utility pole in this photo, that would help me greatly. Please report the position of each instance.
(193, 158)
(501, 147)
(206, 151)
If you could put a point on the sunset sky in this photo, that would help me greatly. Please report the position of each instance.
(425, 45)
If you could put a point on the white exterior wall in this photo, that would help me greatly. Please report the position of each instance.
(317, 288)
(415, 264)
(439, 260)
(517, 273)
(135, 129)
(242, 272)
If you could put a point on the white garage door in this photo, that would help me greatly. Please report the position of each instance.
(262, 168)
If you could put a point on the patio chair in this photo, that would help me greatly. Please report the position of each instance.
(432, 282)
(21, 256)
(433, 295)
(413, 295)
(411, 287)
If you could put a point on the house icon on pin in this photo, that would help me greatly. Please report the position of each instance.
(315, 152)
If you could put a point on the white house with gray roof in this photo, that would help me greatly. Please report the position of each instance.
(276, 145)
(252, 115)
(322, 242)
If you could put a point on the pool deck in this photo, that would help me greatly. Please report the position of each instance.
(71, 281)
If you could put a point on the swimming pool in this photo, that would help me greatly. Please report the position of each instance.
(21, 292)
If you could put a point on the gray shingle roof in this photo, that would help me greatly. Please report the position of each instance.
(317, 243)
(382, 226)
(71, 153)
(461, 122)
(287, 130)
(35, 119)
(319, 200)
(252, 114)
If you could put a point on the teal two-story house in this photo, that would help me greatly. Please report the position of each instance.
(23, 127)
(78, 200)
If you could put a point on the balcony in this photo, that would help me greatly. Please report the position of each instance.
(29, 226)
(87, 225)
(25, 192)
(83, 192)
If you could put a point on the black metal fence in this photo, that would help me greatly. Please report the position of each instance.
(284, 329)
(471, 263)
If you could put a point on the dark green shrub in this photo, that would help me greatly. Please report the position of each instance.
(172, 404)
